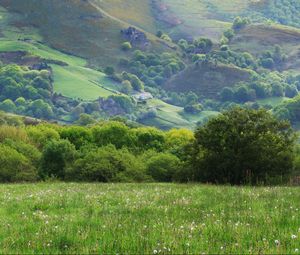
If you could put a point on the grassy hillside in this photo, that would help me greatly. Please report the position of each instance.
(85, 30)
(259, 37)
(136, 12)
(71, 76)
(195, 18)
(207, 80)
(155, 218)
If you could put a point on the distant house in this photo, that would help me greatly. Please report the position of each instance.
(142, 97)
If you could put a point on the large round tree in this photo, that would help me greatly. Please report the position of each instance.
(243, 146)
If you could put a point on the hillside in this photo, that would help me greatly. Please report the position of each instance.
(207, 79)
(260, 37)
(190, 60)
(68, 31)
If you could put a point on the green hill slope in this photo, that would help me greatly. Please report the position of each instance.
(85, 29)
(207, 79)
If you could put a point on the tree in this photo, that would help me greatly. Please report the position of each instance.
(126, 46)
(291, 91)
(126, 87)
(107, 164)
(162, 167)
(78, 136)
(109, 70)
(242, 94)
(229, 34)
(193, 108)
(177, 140)
(243, 146)
(41, 109)
(14, 166)
(8, 106)
(267, 63)
(85, 119)
(239, 23)
(56, 156)
(277, 90)
(226, 94)
(136, 83)
(113, 132)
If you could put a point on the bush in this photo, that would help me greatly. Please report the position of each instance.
(41, 134)
(109, 70)
(27, 150)
(126, 46)
(78, 136)
(107, 164)
(56, 157)
(115, 133)
(14, 166)
(162, 167)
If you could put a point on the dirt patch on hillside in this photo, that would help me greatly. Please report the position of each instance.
(163, 14)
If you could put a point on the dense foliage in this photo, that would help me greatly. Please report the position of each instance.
(240, 146)
(286, 12)
(243, 146)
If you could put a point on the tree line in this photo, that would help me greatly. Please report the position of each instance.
(240, 146)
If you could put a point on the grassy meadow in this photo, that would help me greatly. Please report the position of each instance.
(53, 218)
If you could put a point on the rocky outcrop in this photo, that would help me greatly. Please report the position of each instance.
(135, 36)
(110, 107)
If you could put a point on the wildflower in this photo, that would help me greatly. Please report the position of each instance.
(155, 251)
(294, 236)
(296, 250)
(277, 242)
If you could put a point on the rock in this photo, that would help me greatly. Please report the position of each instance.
(135, 36)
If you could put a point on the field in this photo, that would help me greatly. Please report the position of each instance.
(73, 79)
(148, 218)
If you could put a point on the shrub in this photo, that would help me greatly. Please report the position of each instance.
(162, 167)
(14, 166)
(78, 136)
(115, 133)
(26, 149)
(107, 164)
(109, 70)
(8, 106)
(56, 157)
(126, 46)
(41, 134)
(14, 133)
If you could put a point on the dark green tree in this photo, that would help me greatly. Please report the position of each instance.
(243, 146)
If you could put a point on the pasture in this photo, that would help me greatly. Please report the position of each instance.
(56, 218)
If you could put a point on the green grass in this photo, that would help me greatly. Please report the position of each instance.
(207, 80)
(202, 18)
(148, 219)
(68, 81)
(273, 101)
(170, 116)
(40, 50)
(74, 80)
